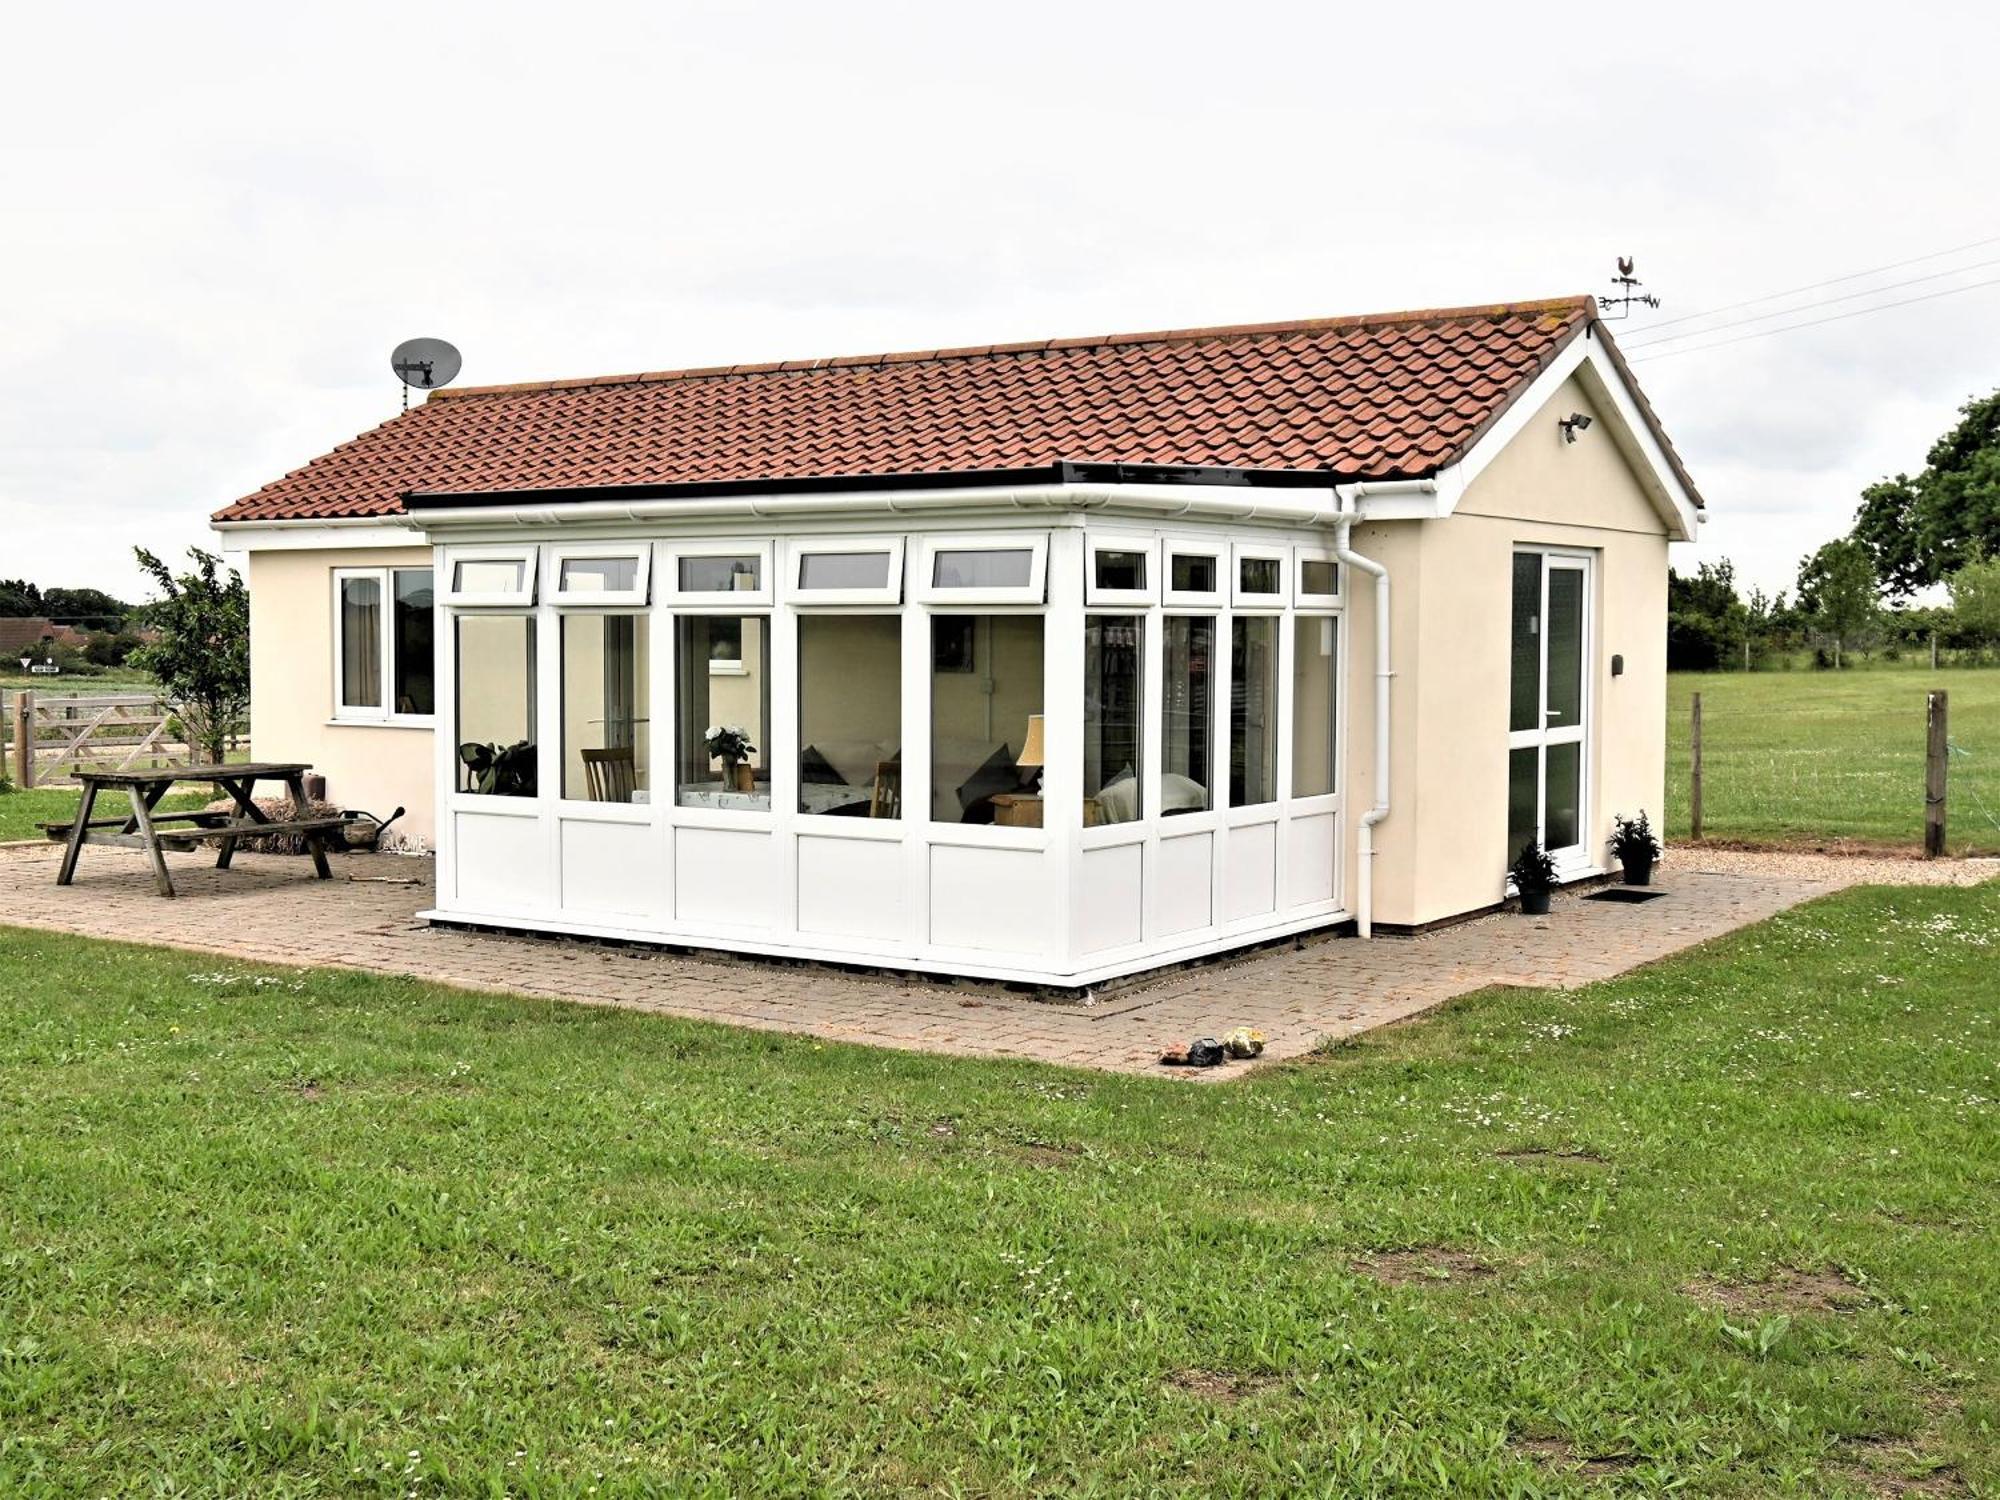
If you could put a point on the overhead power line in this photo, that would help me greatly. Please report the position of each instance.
(1819, 285)
(1789, 312)
(1764, 333)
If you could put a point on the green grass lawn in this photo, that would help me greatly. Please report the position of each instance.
(22, 811)
(1724, 1224)
(1809, 756)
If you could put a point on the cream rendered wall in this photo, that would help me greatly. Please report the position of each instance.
(1444, 846)
(373, 766)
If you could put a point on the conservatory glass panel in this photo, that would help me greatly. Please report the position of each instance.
(984, 568)
(721, 575)
(986, 685)
(851, 715)
(599, 575)
(496, 705)
(1253, 710)
(1315, 693)
(844, 570)
(722, 729)
(1113, 716)
(606, 722)
(1187, 714)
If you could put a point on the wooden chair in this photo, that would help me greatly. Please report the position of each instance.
(887, 801)
(610, 775)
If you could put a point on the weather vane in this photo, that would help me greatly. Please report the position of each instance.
(1628, 294)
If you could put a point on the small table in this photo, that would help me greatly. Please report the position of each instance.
(143, 829)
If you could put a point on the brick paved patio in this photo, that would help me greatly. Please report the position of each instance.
(269, 908)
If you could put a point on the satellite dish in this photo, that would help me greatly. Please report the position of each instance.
(425, 363)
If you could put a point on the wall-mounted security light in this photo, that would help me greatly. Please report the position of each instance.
(1572, 424)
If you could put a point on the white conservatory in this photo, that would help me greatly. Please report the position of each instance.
(1042, 746)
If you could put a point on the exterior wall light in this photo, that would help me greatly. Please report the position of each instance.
(1572, 424)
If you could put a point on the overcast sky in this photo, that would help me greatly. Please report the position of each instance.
(216, 221)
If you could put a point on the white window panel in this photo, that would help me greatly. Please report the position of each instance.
(580, 573)
(1194, 572)
(1317, 577)
(1122, 570)
(846, 570)
(987, 569)
(1257, 576)
(723, 572)
(384, 647)
(476, 577)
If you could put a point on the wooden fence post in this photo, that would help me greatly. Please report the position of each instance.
(1694, 762)
(1936, 749)
(24, 741)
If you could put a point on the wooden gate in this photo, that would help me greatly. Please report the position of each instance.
(54, 738)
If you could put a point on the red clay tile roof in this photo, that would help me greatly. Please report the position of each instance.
(1393, 395)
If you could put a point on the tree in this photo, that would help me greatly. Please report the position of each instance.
(19, 599)
(202, 659)
(1837, 591)
(1706, 622)
(1975, 600)
(87, 609)
(1919, 531)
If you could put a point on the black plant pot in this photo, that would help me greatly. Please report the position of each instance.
(1534, 903)
(1638, 869)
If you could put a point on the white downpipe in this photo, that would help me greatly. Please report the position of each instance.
(1349, 511)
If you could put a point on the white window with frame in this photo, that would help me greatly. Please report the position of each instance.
(600, 575)
(489, 577)
(384, 645)
(1257, 576)
(1195, 573)
(1316, 578)
(723, 573)
(1123, 570)
(846, 570)
(1010, 569)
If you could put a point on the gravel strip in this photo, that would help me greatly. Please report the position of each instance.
(1832, 869)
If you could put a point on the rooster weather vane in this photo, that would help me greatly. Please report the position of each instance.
(1628, 296)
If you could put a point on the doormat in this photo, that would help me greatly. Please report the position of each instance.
(1625, 893)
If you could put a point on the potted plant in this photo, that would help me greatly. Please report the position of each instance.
(731, 745)
(1534, 876)
(1632, 841)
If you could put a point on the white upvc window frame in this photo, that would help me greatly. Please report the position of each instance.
(384, 712)
(1109, 598)
(1216, 552)
(1243, 602)
(529, 556)
(800, 548)
(706, 601)
(636, 597)
(1035, 591)
(1302, 555)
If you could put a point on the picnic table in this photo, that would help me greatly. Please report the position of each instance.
(157, 832)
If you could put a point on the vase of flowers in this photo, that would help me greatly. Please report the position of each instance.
(1635, 846)
(730, 744)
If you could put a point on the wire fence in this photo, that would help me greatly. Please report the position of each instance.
(1835, 758)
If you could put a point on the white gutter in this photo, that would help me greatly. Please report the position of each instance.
(1292, 507)
(1348, 513)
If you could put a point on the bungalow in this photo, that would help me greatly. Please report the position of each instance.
(1046, 662)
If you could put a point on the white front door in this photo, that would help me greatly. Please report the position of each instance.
(1548, 742)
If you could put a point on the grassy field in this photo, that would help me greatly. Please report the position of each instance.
(1721, 1226)
(1810, 756)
